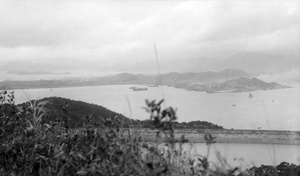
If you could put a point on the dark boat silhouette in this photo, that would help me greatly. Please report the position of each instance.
(139, 89)
(250, 95)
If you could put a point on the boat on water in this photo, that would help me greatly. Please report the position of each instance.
(250, 95)
(139, 89)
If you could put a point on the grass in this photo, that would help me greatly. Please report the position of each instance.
(30, 147)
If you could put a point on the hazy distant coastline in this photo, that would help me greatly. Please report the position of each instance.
(229, 80)
(15, 72)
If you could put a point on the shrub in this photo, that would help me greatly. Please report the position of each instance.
(29, 147)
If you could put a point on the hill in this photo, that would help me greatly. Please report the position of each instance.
(242, 85)
(175, 78)
(74, 114)
(234, 85)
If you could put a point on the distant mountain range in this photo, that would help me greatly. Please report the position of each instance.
(175, 78)
(18, 72)
(203, 77)
(229, 79)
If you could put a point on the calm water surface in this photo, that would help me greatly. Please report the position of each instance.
(276, 109)
(248, 154)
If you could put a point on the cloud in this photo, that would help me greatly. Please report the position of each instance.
(240, 19)
(114, 31)
(280, 40)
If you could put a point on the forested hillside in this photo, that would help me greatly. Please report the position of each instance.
(74, 114)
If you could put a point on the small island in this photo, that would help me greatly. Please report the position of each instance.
(236, 86)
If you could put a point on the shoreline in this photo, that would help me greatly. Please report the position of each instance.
(229, 136)
(52, 83)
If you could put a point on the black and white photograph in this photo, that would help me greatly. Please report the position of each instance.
(150, 87)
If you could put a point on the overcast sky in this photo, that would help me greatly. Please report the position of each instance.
(123, 32)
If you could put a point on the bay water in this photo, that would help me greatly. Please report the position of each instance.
(246, 155)
(269, 110)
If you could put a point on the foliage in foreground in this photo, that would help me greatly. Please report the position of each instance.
(283, 169)
(30, 147)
